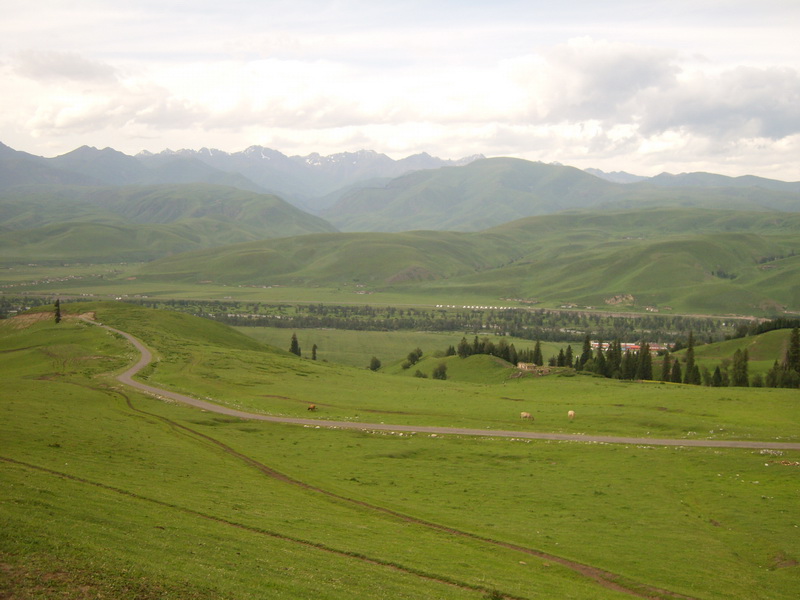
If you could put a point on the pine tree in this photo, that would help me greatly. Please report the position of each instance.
(740, 360)
(586, 354)
(464, 349)
(644, 366)
(689, 376)
(568, 357)
(793, 353)
(58, 311)
(537, 354)
(676, 372)
(716, 378)
(294, 348)
(666, 367)
(314, 352)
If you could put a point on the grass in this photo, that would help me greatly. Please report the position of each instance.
(146, 497)
(355, 348)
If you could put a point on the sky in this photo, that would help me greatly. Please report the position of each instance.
(619, 85)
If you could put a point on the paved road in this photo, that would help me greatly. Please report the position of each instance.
(147, 357)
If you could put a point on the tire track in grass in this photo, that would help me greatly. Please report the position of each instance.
(606, 579)
(266, 532)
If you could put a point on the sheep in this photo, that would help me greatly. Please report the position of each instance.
(525, 415)
(571, 415)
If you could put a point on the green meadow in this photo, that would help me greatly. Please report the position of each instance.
(110, 493)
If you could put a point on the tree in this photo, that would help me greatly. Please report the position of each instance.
(537, 354)
(644, 366)
(716, 378)
(294, 348)
(689, 376)
(676, 376)
(793, 353)
(586, 354)
(440, 371)
(58, 311)
(414, 356)
(464, 349)
(568, 360)
(666, 367)
(739, 377)
(314, 352)
(374, 364)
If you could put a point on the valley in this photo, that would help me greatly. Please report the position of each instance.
(389, 456)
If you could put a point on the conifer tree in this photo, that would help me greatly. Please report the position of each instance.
(537, 354)
(690, 376)
(58, 311)
(568, 357)
(793, 353)
(739, 377)
(676, 376)
(666, 367)
(294, 348)
(314, 352)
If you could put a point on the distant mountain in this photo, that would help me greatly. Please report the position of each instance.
(616, 176)
(304, 179)
(41, 223)
(493, 191)
(711, 180)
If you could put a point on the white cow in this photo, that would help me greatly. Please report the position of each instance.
(571, 415)
(525, 415)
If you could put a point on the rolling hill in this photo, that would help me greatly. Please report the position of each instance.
(683, 259)
(494, 191)
(129, 223)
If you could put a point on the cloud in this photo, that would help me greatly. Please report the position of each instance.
(43, 65)
(744, 102)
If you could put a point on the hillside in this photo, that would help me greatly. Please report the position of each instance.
(147, 498)
(667, 259)
(129, 223)
(493, 191)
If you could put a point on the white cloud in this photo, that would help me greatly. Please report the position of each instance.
(703, 83)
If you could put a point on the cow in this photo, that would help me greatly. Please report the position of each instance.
(312, 407)
(525, 415)
(571, 415)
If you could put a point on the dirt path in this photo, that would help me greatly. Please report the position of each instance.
(146, 358)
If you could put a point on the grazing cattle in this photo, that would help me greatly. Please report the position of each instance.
(571, 415)
(312, 407)
(525, 415)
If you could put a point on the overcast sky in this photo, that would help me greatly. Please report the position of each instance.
(645, 87)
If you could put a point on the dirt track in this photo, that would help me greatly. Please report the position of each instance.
(147, 357)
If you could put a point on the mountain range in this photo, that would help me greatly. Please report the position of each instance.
(495, 227)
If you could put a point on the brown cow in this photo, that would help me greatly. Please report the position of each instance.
(312, 407)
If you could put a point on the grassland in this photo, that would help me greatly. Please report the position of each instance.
(143, 498)
(355, 348)
(671, 260)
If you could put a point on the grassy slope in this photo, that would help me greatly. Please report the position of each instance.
(688, 260)
(154, 516)
(494, 191)
(140, 222)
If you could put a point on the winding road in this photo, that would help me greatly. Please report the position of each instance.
(146, 358)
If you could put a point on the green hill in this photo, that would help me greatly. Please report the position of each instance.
(681, 259)
(139, 222)
(493, 191)
(146, 498)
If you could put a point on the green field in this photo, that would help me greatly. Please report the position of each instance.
(355, 348)
(148, 499)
